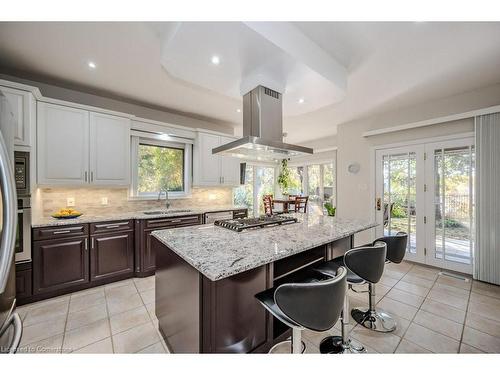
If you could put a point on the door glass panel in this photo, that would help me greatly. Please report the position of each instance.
(264, 184)
(328, 183)
(399, 196)
(296, 178)
(243, 194)
(453, 203)
(313, 188)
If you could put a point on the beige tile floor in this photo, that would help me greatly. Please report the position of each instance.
(435, 313)
(115, 318)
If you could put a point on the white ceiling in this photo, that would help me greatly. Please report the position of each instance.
(276, 55)
(389, 65)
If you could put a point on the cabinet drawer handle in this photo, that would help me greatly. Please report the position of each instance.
(173, 221)
(111, 226)
(61, 231)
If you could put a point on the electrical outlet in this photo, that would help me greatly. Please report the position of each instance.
(70, 202)
(104, 201)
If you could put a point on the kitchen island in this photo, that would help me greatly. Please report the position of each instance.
(207, 277)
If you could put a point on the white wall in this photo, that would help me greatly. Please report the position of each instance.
(354, 190)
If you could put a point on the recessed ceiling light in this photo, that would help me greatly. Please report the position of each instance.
(92, 65)
(238, 110)
(301, 100)
(215, 60)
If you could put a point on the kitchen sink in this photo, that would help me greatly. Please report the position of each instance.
(165, 212)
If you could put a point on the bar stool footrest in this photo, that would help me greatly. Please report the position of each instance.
(289, 347)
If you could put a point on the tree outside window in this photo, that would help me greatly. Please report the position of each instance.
(160, 168)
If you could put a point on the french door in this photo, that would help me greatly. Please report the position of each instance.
(450, 204)
(426, 190)
(400, 196)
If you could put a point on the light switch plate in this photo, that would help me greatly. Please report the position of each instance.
(70, 202)
(104, 201)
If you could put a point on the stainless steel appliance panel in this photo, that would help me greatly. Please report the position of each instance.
(10, 324)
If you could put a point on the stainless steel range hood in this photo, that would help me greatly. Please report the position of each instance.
(262, 129)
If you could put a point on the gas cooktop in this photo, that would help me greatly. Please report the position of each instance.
(255, 223)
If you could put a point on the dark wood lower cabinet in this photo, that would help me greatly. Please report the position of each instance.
(24, 281)
(59, 264)
(67, 258)
(111, 255)
(145, 256)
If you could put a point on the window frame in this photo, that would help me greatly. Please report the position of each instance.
(321, 162)
(136, 141)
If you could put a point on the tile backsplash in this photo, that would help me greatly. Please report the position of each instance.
(89, 200)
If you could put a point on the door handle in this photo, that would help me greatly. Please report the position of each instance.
(86, 244)
(85, 176)
(15, 320)
(91, 176)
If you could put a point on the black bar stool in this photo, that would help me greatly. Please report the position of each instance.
(314, 305)
(364, 264)
(396, 247)
(377, 319)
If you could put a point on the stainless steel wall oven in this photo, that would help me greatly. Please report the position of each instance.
(23, 231)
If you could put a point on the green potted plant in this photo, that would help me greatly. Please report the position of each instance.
(284, 178)
(330, 209)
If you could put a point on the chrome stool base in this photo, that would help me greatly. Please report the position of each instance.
(376, 320)
(335, 345)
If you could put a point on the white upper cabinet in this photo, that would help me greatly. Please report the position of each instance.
(230, 166)
(22, 104)
(207, 166)
(109, 150)
(63, 145)
(214, 170)
(78, 147)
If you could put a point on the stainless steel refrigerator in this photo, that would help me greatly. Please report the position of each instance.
(10, 323)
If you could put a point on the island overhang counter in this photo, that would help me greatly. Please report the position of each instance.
(207, 277)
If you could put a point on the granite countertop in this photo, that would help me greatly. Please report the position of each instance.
(219, 253)
(174, 212)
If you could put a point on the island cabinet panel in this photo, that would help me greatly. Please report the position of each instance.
(233, 320)
(339, 247)
(177, 300)
(298, 262)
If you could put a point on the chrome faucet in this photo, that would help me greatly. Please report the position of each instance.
(167, 202)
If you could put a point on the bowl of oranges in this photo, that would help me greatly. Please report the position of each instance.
(67, 213)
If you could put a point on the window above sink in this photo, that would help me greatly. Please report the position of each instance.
(157, 165)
